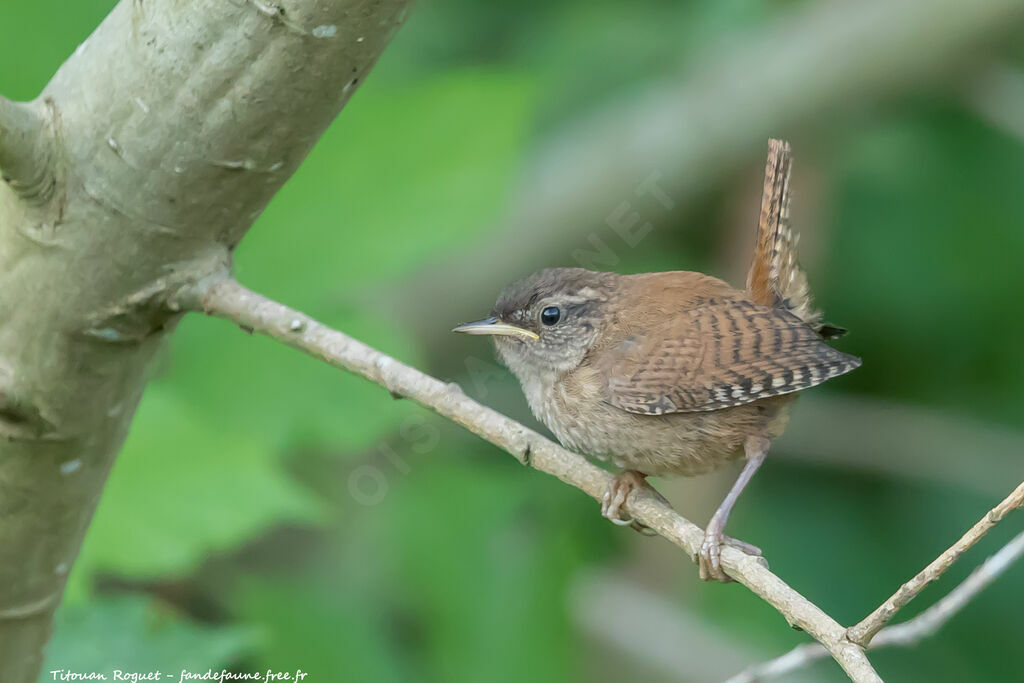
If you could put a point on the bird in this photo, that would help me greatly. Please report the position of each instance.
(671, 373)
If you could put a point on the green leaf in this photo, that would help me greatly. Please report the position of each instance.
(183, 489)
(137, 634)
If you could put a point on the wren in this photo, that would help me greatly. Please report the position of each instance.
(673, 373)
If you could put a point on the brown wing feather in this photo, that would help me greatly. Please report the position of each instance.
(719, 354)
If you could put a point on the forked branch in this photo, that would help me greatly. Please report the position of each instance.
(908, 633)
(863, 632)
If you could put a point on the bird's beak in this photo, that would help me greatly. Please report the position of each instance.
(494, 326)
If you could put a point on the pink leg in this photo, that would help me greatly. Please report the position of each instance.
(756, 449)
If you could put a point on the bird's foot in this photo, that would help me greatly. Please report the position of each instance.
(709, 559)
(615, 497)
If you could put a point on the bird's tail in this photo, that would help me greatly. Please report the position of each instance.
(775, 278)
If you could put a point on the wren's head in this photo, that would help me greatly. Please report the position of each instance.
(543, 325)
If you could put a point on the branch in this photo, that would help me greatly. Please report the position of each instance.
(231, 301)
(873, 623)
(925, 624)
(25, 158)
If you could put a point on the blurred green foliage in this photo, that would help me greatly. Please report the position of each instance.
(192, 489)
(269, 512)
(134, 635)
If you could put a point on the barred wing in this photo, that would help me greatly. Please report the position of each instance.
(719, 354)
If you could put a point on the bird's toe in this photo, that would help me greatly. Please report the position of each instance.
(709, 559)
(748, 548)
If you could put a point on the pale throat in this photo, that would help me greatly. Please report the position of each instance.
(538, 383)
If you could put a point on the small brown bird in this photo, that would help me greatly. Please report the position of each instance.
(672, 373)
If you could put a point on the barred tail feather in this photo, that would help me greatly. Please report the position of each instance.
(775, 278)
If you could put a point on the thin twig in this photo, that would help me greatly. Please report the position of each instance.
(225, 298)
(911, 632)
(863, 632)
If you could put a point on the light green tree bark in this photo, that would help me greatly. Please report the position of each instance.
(138, 169)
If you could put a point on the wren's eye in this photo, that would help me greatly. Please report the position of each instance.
(550, 315)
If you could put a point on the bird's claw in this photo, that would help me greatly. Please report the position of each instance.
(615, 497)
(742, 546)
(644, 530)
(709, 559)
(611, 505)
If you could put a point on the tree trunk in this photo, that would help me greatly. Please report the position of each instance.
(138, 169)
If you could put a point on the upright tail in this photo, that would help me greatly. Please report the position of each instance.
(775, 278)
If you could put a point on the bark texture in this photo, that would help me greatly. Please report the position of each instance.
(138, 169)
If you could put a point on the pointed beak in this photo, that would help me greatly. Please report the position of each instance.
(496, 327)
